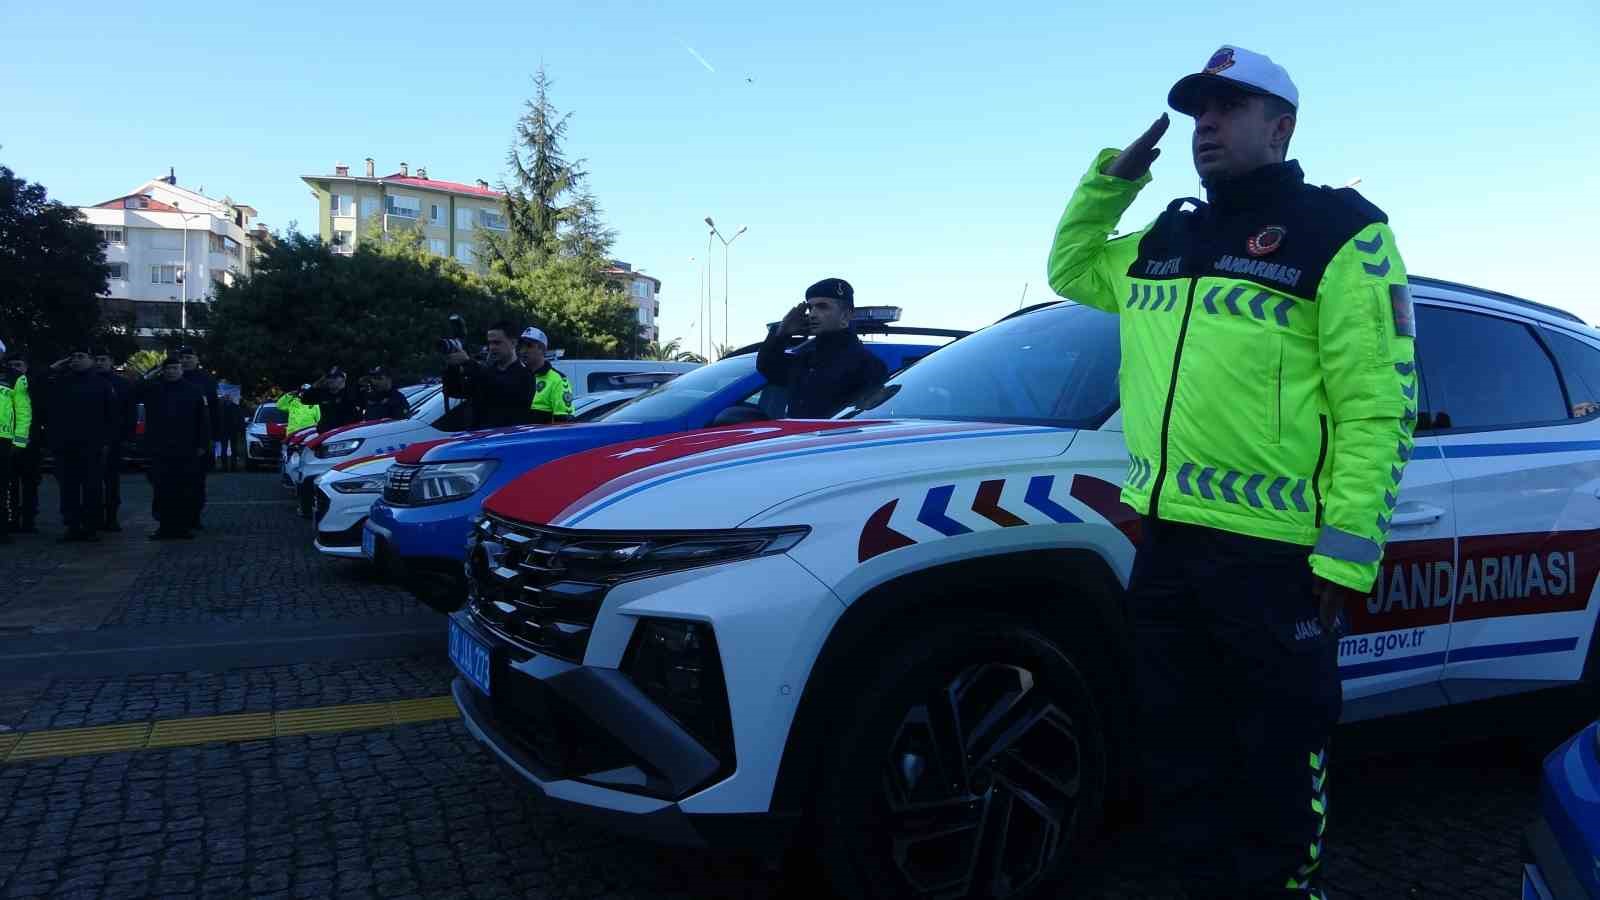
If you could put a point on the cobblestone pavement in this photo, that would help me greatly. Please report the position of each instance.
(422, 811)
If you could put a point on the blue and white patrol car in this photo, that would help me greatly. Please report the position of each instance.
(900, 633)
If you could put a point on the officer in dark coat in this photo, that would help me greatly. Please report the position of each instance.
(340, 404)
(833, 368)
(127, 417)
(177, 441)
(86, 420)
(203, 381)
(383, 399)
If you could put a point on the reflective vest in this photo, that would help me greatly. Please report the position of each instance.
(16, 411)
(300, 415)
(552, 393)
(1267, 379)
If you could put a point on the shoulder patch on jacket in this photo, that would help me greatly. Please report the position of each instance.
(1405, 319)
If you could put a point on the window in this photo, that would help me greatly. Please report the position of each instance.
(491, 219)
(464, 220)
(163, 274)
(1056, 366)
(119, 271)
(644, 316)
(342, 204)
(369, 207)
(136, 203)
(111, 234)
(641, 289)
(438, 246)
(689, 390)
(404, 207)
(1580, 365)
(435, 214)
(464, 252)
(216, 243)
(1483, 372)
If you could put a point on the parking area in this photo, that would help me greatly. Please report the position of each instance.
(322, 764)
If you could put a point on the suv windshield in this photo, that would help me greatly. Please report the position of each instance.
(685, 392)
(1057, 366)
(271, 415)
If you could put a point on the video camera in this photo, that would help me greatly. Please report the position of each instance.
(457, 339)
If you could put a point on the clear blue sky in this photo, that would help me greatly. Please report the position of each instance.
(923, 152)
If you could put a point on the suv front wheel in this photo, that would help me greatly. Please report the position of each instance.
(973, 764)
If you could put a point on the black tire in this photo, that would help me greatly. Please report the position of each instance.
(973, 763)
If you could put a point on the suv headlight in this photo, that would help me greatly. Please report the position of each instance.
(338, 448)
(622, 558)
(366, 484)
(443, 482)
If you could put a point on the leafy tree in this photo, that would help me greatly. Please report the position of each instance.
(549, 210)
(52, 271)
(583, 317)
(305, 308)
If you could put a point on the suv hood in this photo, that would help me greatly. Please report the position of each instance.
(533, 440)
(722, 477)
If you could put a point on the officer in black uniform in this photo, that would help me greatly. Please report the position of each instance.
(111, 472)
(340, 404)
(177, 440)
(85, 421)
(383, 400)
(828, 371)
(500, 388)
(207, 386)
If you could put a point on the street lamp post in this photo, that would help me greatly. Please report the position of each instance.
(183, 277)
(726, 243)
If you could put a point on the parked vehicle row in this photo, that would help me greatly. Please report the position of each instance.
(899, 631)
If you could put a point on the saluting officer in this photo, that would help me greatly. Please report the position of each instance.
(1268, 399)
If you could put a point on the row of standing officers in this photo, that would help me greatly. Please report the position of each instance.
(91, 412)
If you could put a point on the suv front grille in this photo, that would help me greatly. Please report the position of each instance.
(397, 484)
(520, 586)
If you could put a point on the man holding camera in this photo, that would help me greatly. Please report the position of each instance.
(830, 371)
(500, 389)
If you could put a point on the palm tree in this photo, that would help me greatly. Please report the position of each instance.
(672, 352)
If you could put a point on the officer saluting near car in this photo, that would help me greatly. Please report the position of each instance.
(1268, 402)
(834, 367)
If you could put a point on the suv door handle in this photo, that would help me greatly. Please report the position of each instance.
(1417, 514)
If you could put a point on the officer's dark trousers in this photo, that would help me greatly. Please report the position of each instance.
(111, 481)
(22, 489)
(6, 456)
(177, 503)
(1239, 691)
(78, 470)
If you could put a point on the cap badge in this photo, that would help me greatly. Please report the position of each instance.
(1219, 60)
(1265, 241)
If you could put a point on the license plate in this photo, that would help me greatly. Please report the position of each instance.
(471, 657)
(369, 544)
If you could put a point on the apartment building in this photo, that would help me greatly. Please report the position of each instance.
(644, 292)
(169, 248)
(450, 214)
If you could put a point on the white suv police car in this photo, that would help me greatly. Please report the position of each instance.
(896, 636)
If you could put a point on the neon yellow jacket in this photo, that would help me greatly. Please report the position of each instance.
(552, 395)
(16, 412)
(1267, 376)
(300, 414)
